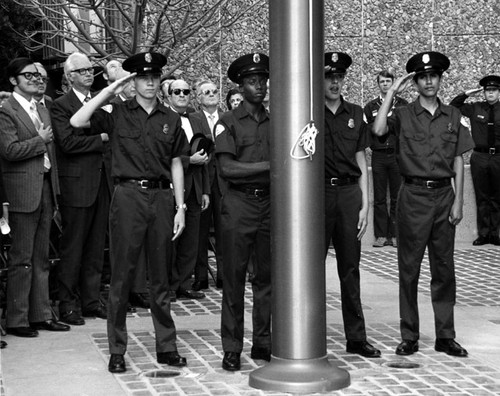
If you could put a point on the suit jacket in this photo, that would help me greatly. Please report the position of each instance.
(21, 157)
(195, 176)
(79, 154)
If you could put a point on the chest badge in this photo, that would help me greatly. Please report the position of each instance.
(350, 124)
(165, 129)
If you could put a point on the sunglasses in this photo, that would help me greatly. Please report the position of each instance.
(178, 91)
(82, 71)
(29, 75)
(210, 91)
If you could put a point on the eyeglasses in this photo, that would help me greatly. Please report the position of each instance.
(29, 75)
(210, 91)
(178, 91)
(82, 71)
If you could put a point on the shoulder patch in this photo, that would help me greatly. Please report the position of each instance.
(107, 108)
(219, 129)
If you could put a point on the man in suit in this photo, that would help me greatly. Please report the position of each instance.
(40, 96)
(196, 196)
(29, 172)
(84, 199)
(209, 98)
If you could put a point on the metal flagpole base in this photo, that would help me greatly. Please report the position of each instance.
(299, 376)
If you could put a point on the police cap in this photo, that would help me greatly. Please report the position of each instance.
(200, 142)
(246, 65)
(145, 63)
(430, 61)
(491, 81)
(337, 62)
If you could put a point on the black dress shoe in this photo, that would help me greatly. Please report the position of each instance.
(172, 295)
(171, 358)
(495, 240)
(3, 344)
(218, 283)
(72, 318)
(26, 331)
(99, 312)
(407, 347)
(481, 240)
(50, 325)
(116, 364)
(231, 361)
(199, 285)
(450, 347)
(191, 294)
(260, 353)
(139, 300)
(363, 348)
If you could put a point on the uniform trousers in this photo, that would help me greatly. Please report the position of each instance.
(246, 229)
(485, 171)
(82, 253)
(28, 264)
(140, 217)
(422, 216)
(385, 172)
(342, 206)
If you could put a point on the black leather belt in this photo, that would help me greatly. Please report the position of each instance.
(488, 150)
(345, 181)
(436, 183)
(147, 184)
(387, 150)
(253, 192)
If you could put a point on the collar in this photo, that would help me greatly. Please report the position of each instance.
(81, 97)
(419, 109)
(215, 114)
(132, 104)
(25, 103)
(241, 112)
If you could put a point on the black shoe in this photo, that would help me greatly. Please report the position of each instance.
(72, 318)
(116, 364)
(481, 240)
(190, 294)
(50, 325)
(26, 331)
(98, 312)
(139, 300)
(495, 240)
(231, 361)
(363, 348)
(3, 344)
(171, 358)
(260, 353)
(199, 285)
(407, 347)
(450, 347)
(218, 283)
(172, 295)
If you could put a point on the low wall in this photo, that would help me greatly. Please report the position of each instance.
(466, 230)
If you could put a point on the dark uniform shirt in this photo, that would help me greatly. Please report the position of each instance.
(478, 113)
(428, 144)
(239, 134)
(345, 135)
(142, 144)
(371, 110)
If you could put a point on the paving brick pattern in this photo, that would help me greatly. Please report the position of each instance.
(436, 374)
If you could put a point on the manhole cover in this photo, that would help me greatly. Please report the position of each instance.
(161, 374)
(403, 365)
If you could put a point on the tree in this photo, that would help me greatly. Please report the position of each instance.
(104, 29)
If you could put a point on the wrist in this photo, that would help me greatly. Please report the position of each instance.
(182, 207)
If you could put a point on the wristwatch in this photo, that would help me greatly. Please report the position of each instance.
(183, 206)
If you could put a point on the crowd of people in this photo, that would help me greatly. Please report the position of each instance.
(137, 161)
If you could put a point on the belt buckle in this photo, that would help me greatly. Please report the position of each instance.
(258, 192)
(334, 181)
(143, 183)
(492, 151)
(430, 183)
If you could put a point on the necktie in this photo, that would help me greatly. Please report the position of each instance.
(211, 124)
(38, 124)
(86, 100)
(491, 127)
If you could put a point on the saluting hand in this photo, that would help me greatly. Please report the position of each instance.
(401, 83)
(120, 84)
(473, 91)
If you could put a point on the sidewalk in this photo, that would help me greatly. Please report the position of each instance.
(75, 363)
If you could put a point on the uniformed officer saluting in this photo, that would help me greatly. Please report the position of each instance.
(485, 160)
(242, 150)
(431, 141)
(146, 141)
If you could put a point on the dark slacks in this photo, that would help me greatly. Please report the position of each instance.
(485, 171)
(422, 216)
(385, 172)
(342, 206)
(28, 264)
(246, 229)
(82, 253)
(140, 217)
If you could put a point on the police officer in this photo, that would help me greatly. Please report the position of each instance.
(242, 150)
(385, 169)
(485, 160)
(346, 196)
(431, 142)
(147, 141)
